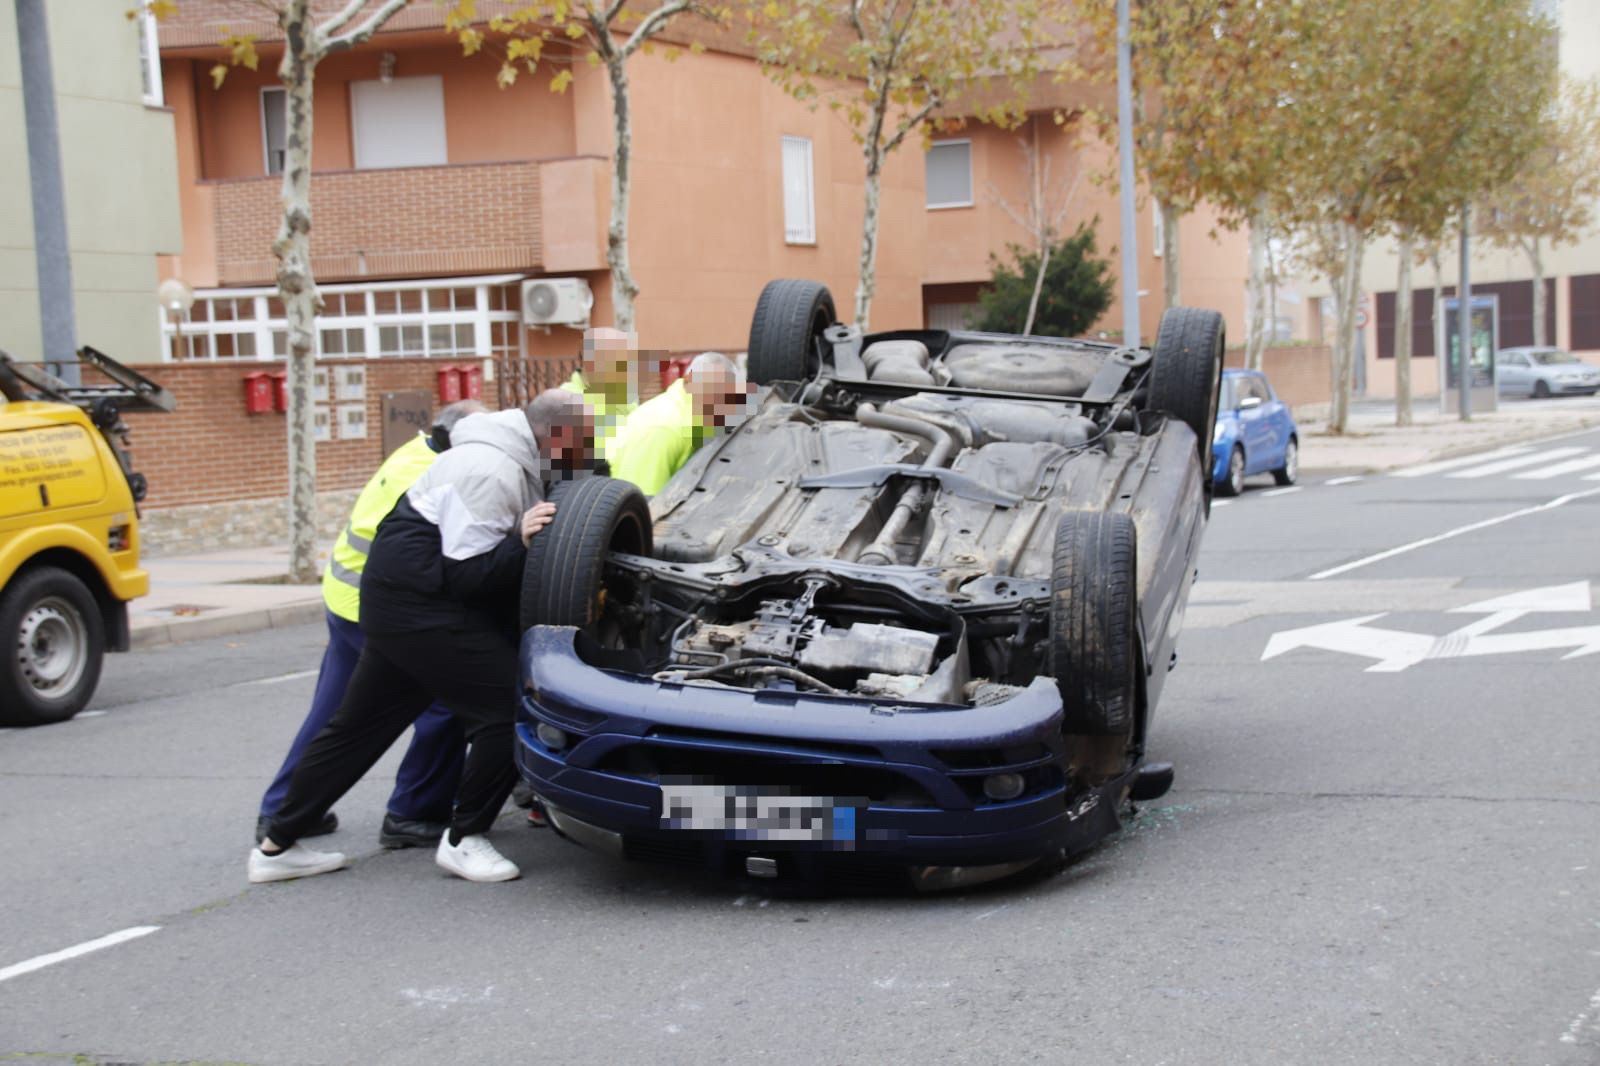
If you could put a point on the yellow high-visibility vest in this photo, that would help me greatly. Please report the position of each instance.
(657, 439)
(341, 581)
(608, 417)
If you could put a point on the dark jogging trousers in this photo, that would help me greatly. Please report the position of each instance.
(470, 669)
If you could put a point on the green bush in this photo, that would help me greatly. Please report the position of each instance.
(1077, 289)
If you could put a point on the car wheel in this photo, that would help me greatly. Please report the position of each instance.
(1233, 483)
(54, 642)
(1541, 390)
(1289, 472)
(1186, 371)
(1094, 622)
(564, 574)
(786, 331)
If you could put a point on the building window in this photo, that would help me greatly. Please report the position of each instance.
(1158, 228)
(799, 214)
(149, 59)
(398, 123)
(274, 128)
(949, 174)
(457, 318)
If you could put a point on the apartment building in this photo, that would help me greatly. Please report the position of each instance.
(118, 188)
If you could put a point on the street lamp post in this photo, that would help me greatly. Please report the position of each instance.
(1464, 323)
(1130, 248)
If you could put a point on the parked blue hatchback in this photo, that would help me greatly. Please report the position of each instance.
(1255, 434)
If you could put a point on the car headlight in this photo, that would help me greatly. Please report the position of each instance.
(1218, 431)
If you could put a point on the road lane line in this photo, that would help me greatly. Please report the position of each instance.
(1559, 501)
(1571, 466)
(1511, 464)
(280, 678)
(1466, 460)
(1284, 492)
(1221, 503)
(1344, 480)
(39, 962)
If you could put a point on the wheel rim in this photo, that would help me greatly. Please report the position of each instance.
(1236, 472)
(52, 647)
(1291, 460)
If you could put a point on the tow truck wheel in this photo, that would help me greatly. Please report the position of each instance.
(563, 580)
(54, 642)
(1094, 626)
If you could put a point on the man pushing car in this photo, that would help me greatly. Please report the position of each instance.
(439, 601)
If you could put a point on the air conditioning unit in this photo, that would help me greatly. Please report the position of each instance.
(556, 302)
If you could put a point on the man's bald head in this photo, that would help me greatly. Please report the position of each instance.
(609, 360)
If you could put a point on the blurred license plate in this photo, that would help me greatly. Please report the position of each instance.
(755, 812)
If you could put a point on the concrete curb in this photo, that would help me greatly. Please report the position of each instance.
(183, 630)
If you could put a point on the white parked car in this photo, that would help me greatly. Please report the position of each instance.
(1544, 372)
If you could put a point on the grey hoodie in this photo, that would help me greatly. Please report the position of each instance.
(477, 492)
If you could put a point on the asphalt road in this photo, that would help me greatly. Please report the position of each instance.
(1388, 853)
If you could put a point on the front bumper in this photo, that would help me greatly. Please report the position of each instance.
(916, 773)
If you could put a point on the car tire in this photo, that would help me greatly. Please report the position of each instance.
(1541, 390)
(1186, 372)
(54, 644)
(564, 574)
(1233, 483)
(1094, 629)
(786, 331)
(1289, 472)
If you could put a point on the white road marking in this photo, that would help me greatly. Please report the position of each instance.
(1571, 466)
(280, 678)
(1394, 650)
(1466, 460)
(39, 962)
(1592, 477)
(1504, 465)
(90, 714)
(1351, 480)
(1576, 1028)
(1284, 492)
(1559, 501)
(1220, 503)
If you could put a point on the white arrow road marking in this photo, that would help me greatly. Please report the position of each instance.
(1351, 480)
(1394, 650)
(1571, 466)
(39, 962)
(1489, 469)
(1559, 501)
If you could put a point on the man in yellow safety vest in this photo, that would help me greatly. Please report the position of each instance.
(658, 438)
(425, 784)
(608, 381)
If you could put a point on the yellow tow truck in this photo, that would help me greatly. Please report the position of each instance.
(69, 532)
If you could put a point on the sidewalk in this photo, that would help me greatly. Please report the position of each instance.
(193, 597)
(1375, 443)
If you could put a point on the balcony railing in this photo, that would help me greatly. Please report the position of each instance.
(472, 218)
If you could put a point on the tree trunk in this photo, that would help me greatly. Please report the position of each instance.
(1169, 255)
(866, 281)
(1038, 286)
(623, 288)
(297, 288)
(1272, 291)
(1256, 286)
(1402, 336)
(1536, 261)
(1345, 344)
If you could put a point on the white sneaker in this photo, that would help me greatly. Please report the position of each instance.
(475, 859)
(292, 862)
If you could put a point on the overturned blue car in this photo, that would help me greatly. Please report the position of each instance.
(907, 623)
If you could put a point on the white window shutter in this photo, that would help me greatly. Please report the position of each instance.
(799, 221)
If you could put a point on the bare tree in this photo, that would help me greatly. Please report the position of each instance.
(1041, 216)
